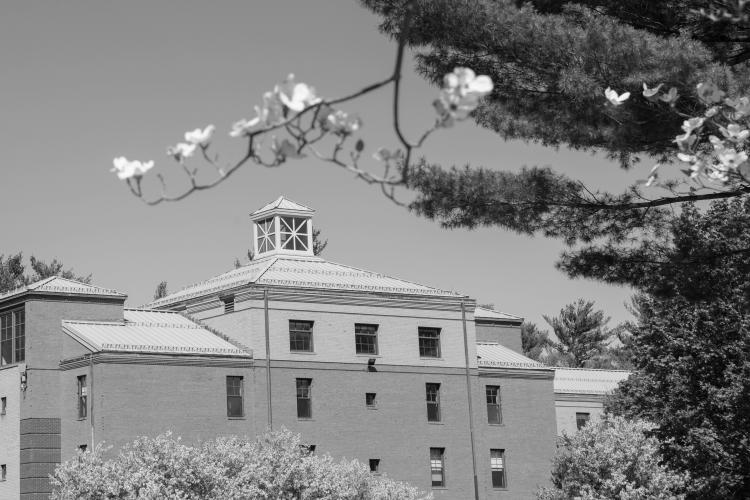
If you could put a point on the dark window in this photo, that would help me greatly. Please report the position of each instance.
(307, 449)
(366, 338)
(375, 465)
(3, 471)
(370, 400)
(301, 336)
(582, 419)
(3, 405)
(304, 398)
(82, 397)
(228, 304)
(19, 318)
(433, 402)
(6, 339)
(83, 447)
(429, 342)
(494, 415)
(235, 391)
(497, 464)
(437, 466)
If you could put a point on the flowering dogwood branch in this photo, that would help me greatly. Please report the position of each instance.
(307, 121)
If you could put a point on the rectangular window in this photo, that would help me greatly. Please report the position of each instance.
(304, 398)
(437, 467)
(494, 415)
(582, 419)
(235, 392)
(83, 448)
(433, 402)
(300, 336)
(3, 471)
(375, 465)
(3, 405)
(6, 339)
(370, 400)
(82, 397)
(19, 318)
(497, 465)
(429, 342)
(366, 338)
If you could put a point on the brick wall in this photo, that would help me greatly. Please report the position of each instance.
(506, 335)
(10, 429)
(40, 454)
(567, 405)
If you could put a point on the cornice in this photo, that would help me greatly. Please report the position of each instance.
(156, 359)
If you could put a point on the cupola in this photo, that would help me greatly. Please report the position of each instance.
(282, 227)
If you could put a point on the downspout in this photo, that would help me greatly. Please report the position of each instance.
(268, 360)
(91, 397)
(471, 410)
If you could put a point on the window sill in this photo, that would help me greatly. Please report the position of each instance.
(236, 418)
(306, 353)
(306, 419)
(426, 358)
(495, 425)
(371, 407)
(436, 423)
(360, 355)
(438, 488)
(81, 419)
(499, 489)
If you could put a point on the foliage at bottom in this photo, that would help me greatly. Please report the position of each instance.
(613, 459)
(274, 466)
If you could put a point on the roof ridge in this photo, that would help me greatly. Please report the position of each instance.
(591, 369)
(390, 277)
(93, 322)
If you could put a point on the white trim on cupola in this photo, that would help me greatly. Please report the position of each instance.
(282, 227)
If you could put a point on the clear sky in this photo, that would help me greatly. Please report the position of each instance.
(83, 82)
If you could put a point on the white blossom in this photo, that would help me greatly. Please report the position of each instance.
(181, 151)
(200, 137)
(296, 96)
(614, 98)
(342, 123)
(460, 95)
(126, 169)
(652, 94)
(710, 93)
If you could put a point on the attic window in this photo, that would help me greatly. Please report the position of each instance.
(266, 235)
(228, 304)
(293, 233)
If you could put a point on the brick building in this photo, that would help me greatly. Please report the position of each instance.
(416, 381)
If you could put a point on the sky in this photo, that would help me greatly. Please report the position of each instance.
(84, 82)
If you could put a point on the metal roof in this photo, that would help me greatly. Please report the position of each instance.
(151, 332)
(302, 272)
(282, 203)
(493, 355)
(485, 313)
(587, 381)
(58, 285)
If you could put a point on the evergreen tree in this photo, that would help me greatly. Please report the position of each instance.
(551, 62)
(161, 291)
(581, 333)
(13, 272)
(691, 346)
(534, 341)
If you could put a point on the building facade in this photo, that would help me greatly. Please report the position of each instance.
(416, 381)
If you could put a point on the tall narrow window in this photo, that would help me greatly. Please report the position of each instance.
(370, 401)
(582, 419)
(429, 342)
(19, 318)
(433, 402)
(3, 472)
(366, 338)
(3, 405)
(235, 391)
(266, 240)
(497, 464)
(82, 397)
(437, 467)
(494, 414)
(304, 398)
(6, 339)
(301, 336)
